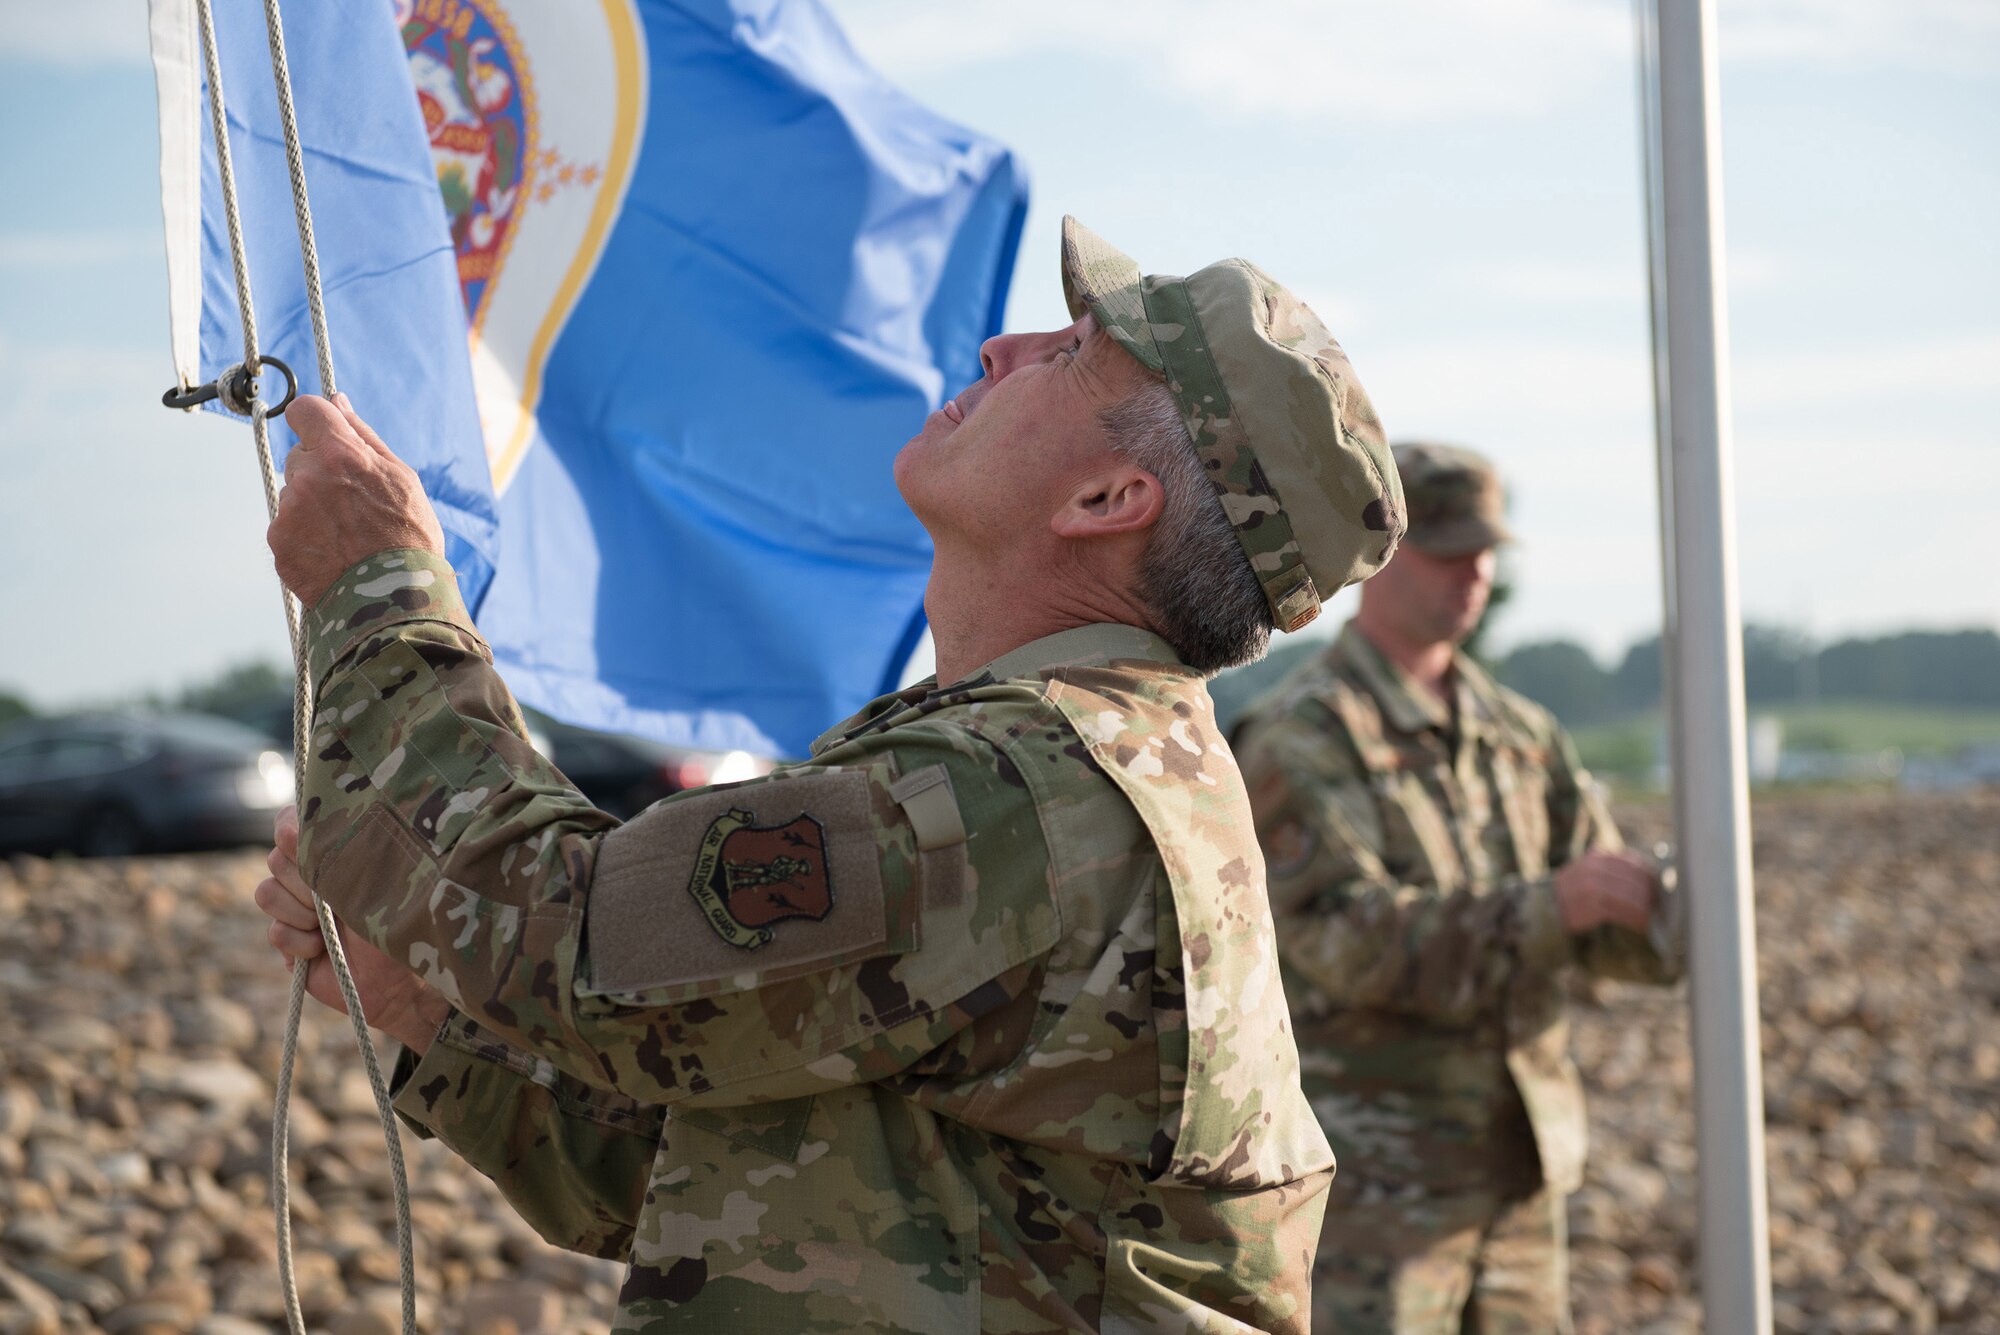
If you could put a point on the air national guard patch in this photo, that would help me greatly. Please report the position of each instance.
(749, 876)
(717, 892)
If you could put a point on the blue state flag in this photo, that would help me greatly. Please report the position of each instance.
(716, 272)
(387, 263)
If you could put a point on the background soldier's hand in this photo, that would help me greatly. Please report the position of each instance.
(395, 1000)
(1597, 888)
(346, 497)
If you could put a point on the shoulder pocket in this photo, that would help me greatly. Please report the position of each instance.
(728, 891)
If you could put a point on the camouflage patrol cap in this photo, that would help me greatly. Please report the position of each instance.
(1456, 503)
(1288, 436)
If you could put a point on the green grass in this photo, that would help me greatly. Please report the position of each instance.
(1621, 750)
(1915, 730)
(1625, 749)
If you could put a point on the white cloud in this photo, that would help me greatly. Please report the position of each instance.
(75, 32)
(65, 250)
(1437, 385)
(1864, 373)
(1413, 61)
(1578, 284)
(1945, 35)
(1758, 270)
(1418, 60)
(1582, 283)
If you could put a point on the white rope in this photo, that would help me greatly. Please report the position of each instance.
(281, 74)
(302, 683)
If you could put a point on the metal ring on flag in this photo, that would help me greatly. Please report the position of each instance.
(236, 389)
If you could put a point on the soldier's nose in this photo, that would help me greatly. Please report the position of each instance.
(997, 355)
(1003, 354)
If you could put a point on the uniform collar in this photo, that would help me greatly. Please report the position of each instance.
(1079, 646)
(1478, 696)
(1408, 704)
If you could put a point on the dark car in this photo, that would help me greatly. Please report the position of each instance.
(117, 784)
(625, 775)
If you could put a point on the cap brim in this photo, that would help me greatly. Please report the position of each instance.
(1104, 280)
(1459, 537)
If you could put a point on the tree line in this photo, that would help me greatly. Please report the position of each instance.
(255, 693)
(1946, 669)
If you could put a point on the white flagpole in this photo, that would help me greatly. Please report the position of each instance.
(1705, 679)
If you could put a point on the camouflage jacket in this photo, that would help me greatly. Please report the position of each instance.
(970, 1022)
(1410, 847)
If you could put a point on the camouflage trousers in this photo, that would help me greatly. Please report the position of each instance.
(1476, 1263)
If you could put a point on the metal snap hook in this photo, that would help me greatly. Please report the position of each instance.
(236, 390)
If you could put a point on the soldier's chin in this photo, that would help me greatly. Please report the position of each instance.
(911, 463)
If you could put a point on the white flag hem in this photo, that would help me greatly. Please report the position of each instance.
(177, 80)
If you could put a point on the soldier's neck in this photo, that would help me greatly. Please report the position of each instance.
(979, 612)
(1427, 661)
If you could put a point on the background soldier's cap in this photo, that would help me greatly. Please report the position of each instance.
(1456, 502)
(1288, 436)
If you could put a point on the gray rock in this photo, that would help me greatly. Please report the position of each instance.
(18, 1109)
(38, 1311)
(363, 1321)
(222, 1086)
(29, 1233)
(535, 1309)
(127, 1170)
(222, 1323)
(83, 1035)
(215, 1022)
(125, 1264)
(94, 1292)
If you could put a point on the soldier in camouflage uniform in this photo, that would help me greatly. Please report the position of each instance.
(971, 1021)
(1437, 857)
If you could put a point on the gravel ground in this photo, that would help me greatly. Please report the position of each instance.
(1878, 924)
(143, 1013)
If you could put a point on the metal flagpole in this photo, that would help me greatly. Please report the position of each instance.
(1705, 676)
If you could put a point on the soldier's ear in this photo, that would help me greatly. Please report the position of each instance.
(1116, 500)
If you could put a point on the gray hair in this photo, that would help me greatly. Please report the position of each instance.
(1195, 577)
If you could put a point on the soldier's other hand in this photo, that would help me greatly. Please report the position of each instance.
(346, 497)
(394, 999)
(1604, 887)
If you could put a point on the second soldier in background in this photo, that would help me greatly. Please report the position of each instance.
(1437, 858)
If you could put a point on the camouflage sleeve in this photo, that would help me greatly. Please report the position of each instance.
(572, 1160)
(1580, 822)
(757, 942)
(1352, 929)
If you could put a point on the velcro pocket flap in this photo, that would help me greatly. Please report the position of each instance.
(726, 891)
(931, 807)
(927, 799)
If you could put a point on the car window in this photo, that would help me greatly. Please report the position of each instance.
(21, 758)
(205, 731)
(88, 754)
(583, 752)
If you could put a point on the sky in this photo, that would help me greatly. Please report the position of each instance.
(1453, 185)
